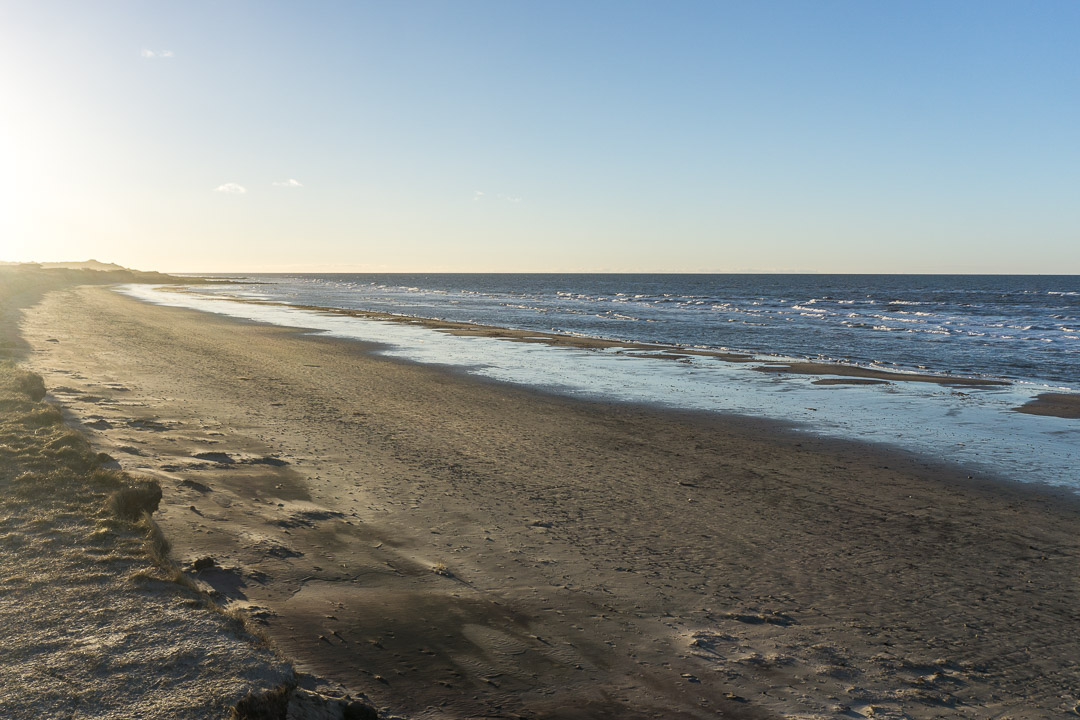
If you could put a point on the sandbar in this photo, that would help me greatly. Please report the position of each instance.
(1063, 405)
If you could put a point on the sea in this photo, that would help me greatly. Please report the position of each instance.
(1020, 329)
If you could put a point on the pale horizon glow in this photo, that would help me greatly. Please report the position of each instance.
(612, 136)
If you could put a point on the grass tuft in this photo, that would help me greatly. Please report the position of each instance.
(136, 499)
(107, 478)
(270, 705)
(30, 384)
(157, 545)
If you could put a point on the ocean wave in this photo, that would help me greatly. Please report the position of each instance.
(991, 324)
(894, 318)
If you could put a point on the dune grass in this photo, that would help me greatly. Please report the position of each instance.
(95, 618)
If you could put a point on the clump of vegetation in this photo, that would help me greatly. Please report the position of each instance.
(30, 384)
(270, 705)
(275, 704)
(134, 499)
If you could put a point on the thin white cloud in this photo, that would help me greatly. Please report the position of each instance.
(232, 188)
(291, 182)
(154, 54)
(481, 195)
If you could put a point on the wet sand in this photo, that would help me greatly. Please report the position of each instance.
(457, 548)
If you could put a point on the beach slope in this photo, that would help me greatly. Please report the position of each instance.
(456, 548)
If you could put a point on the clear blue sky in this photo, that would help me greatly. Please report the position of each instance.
(548, 136)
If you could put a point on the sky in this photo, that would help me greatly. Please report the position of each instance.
(585, 136)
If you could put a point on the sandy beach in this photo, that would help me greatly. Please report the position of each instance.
(453, 548)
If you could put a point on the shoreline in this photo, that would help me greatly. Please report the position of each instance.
(974, 420)
(771, 363)
(402, 526)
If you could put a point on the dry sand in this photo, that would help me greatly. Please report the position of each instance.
(454, 548)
